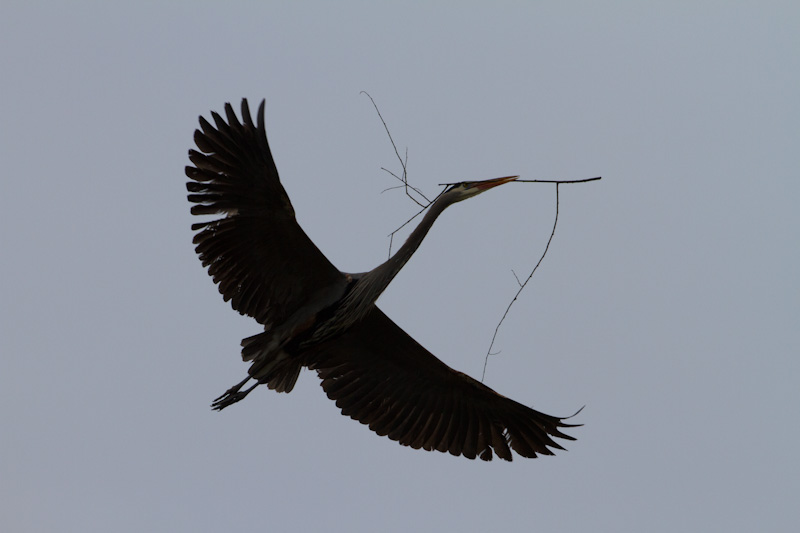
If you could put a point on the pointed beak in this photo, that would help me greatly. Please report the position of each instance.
(488, 184)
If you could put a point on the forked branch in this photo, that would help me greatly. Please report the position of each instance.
(407, 188)
(544, 253)
(403, 162)
(521, 288)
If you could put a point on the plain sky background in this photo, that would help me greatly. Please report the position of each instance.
(669, 303)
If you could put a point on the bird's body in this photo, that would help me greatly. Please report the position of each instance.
(318, 317)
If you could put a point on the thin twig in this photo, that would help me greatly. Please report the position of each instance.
(522, 285)
(403, 179)
(560, 182)
(391, 235)
(403, 162)
(540, 181)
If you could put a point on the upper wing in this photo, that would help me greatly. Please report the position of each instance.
(380, 376)
(262, 260)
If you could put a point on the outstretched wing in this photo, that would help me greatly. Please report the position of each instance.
(262, 260)
(380, 376)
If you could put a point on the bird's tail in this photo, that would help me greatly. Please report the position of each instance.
(271, 366)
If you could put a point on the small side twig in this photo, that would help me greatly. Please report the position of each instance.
(404, 224)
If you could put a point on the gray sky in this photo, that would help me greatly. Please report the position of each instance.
(669, 303)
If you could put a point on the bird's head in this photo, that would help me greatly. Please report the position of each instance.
(457, 192)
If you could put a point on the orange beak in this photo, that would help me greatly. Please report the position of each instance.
(488, 184)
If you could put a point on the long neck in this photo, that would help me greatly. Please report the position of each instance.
(373, 283)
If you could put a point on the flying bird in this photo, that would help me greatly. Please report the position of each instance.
(321, 318)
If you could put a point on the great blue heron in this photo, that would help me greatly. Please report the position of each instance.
(318, 317)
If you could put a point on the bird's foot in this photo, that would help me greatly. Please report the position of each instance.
(232, 395)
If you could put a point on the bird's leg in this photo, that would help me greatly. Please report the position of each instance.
(232, 395)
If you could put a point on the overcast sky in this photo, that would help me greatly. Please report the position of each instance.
(668, 305)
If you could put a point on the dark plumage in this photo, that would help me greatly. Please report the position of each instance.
(317, 317)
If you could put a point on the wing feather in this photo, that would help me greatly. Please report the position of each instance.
(257, 254)
(380, 376)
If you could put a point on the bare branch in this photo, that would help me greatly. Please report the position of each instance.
(522, 286)
(406, 186)
(403, 162)
(404, 179)
(559, 182)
